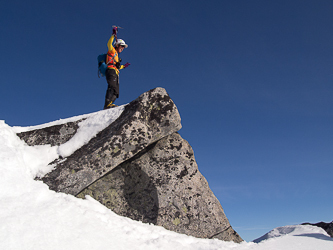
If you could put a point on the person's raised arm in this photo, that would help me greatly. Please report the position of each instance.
(114, 35)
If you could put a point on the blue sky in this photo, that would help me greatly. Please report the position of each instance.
(252, 81)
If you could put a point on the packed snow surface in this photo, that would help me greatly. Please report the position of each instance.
(34, 217)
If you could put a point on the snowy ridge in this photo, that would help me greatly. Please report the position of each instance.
(295, 230)
(34, 217)
(88, 128)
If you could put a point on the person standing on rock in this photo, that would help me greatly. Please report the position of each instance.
(112, 72)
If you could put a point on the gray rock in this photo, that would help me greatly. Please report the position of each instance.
(53, 135)
(150, 117)
(162, 185)
(141, 168)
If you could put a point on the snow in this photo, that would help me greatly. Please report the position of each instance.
(34, 217)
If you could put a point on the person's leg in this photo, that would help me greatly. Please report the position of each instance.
(113, 85)
(110, 97)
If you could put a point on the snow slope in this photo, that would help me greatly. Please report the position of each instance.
(34, 217)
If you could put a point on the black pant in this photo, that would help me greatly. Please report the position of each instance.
(112, 93)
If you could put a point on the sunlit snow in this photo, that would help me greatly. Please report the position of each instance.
(34, 217)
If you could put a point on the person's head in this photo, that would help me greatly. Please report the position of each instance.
(120, 45)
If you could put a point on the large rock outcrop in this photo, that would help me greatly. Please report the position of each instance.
(140, 167)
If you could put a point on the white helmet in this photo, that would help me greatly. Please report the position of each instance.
(120, 42)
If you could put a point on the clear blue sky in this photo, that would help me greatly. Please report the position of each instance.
(252, 81)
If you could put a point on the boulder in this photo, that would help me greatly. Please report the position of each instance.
(162, 186)
(150, 117)
(141, 168)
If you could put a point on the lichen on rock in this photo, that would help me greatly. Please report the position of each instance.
(141, 168)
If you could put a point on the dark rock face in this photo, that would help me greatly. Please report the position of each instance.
(54, 135)
(141, 168)
(328, 227)
(162, 185)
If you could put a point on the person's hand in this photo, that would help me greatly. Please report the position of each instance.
(126, 65)
(114, 30)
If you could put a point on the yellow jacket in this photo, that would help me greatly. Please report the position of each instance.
(112, 56)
